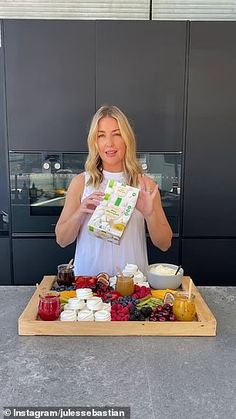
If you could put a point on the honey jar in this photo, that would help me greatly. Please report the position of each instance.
(183, 307)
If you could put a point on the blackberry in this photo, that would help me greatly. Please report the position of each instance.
(146, 311)
(137, 314)
(132, 310)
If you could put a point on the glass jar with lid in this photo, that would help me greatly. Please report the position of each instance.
(183, 307)
(49, 307)
(65, 275)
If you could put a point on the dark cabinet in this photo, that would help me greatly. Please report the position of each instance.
(36, 257)
(57, 73)
(53, 87)
(5, 247)
(157, 256)
(140, 68)
(5, 261)
(209, 261)
(209, 178)
(50, 83)
(4, 184)
(3, 143)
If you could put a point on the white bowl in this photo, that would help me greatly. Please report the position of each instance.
(158, 281)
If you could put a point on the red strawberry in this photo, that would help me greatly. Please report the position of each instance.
(91, 281)
(81, 284)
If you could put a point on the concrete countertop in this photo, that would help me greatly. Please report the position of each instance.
(171, 377)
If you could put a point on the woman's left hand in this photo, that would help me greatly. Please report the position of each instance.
(147, 195)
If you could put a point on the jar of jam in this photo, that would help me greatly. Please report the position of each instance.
(125, 285)
(65, 276)
(49, 306)
(183, 307)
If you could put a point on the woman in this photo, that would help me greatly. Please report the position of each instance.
(112, 155)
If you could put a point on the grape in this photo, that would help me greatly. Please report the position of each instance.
(172, 317)
(162, 319)
(167, 307)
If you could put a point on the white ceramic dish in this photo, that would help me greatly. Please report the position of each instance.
(158, 281)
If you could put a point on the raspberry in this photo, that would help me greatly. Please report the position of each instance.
(125, 310)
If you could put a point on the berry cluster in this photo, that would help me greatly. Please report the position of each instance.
(140, 315)
(110, 296)
(101, 289)
(126, 301)
(86, 282)
(119, 312)
(162, 314)
(141, 291)
(59, 288)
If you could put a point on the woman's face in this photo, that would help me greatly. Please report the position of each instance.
(111, 146)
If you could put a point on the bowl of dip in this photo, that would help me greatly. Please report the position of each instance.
(162, 276)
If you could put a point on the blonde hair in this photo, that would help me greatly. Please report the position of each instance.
(93, 163)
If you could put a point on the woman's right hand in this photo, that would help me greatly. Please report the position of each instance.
(75, 211)
(90, 203)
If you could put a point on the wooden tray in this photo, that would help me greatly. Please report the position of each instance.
(29, 324)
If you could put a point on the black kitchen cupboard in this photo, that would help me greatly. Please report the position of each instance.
(210, 261)
(5, 261)
(50, 83)
(4, 200)
(172, 255)
(5, 244)
(140, 67)
(35, 257)
(209, 178)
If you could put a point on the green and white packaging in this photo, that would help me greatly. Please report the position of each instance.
(111, 217)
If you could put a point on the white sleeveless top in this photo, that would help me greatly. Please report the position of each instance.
(94, 255)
